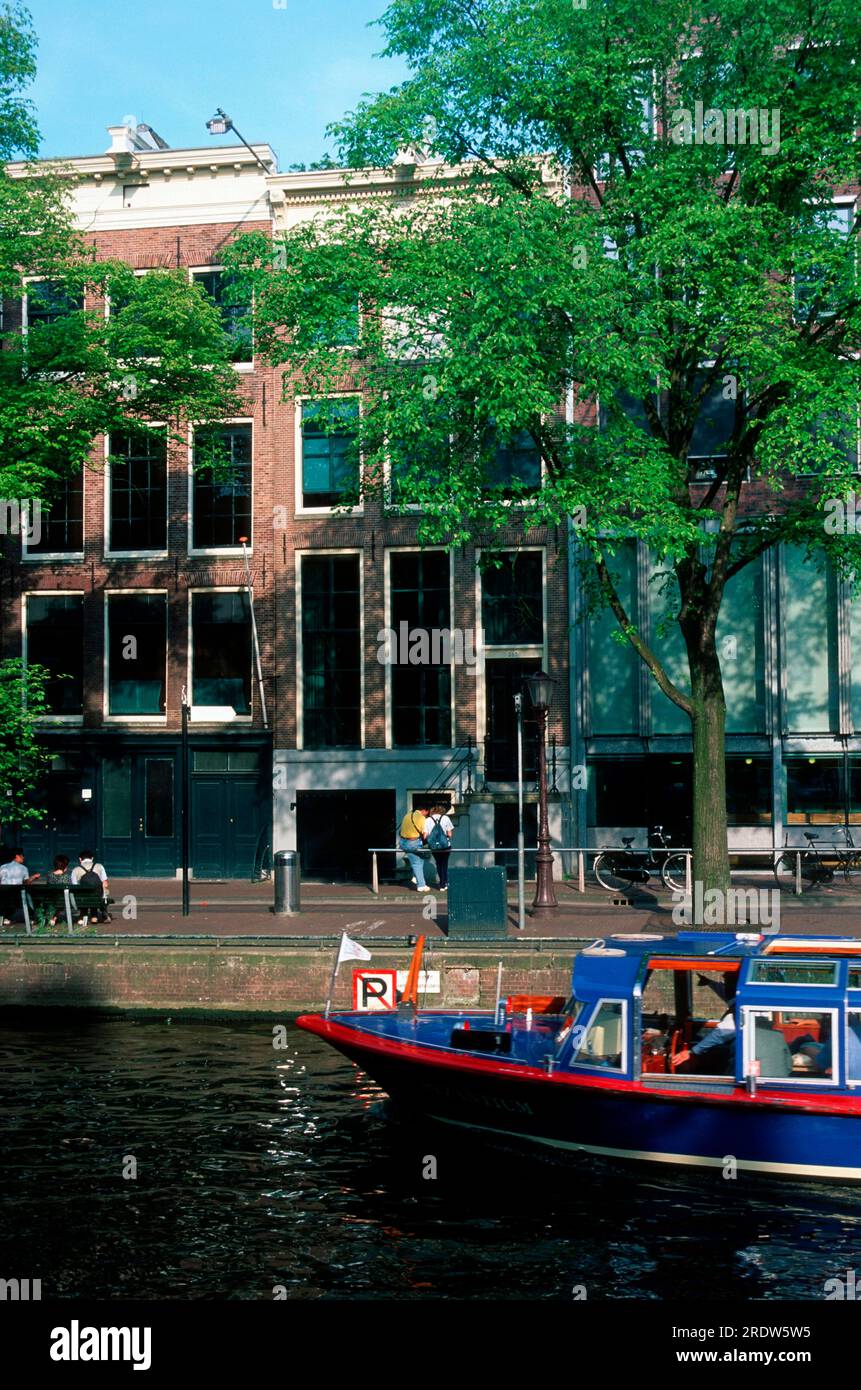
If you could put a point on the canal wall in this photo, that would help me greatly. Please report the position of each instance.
(241, 978)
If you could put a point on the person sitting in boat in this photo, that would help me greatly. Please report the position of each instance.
(821, 1055)
(713, 1053)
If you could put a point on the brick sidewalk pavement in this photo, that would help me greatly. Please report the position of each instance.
(243, 909)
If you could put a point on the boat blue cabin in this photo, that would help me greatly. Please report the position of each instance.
(717, 1008)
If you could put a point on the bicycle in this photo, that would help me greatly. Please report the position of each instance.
(617, 870)
(816, 868)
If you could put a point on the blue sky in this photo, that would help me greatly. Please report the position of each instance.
(281, 73)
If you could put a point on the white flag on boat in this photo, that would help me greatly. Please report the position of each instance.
(351, 950)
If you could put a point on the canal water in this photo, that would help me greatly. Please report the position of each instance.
(268, 1172)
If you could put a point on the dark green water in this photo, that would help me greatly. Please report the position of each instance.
(260, 1168)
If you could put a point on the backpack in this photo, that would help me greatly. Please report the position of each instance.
(437, 839)
(89, 880)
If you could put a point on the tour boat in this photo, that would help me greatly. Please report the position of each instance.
(726, 1050)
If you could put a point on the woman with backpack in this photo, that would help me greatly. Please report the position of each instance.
(89, 874)
(439, 829)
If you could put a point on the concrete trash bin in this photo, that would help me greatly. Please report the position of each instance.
(287, 877)
(477, 904)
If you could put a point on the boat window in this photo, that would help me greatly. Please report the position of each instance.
(853, 1047)
(603, 1044)
(791, 1044)
(855, 977)
(793, 972)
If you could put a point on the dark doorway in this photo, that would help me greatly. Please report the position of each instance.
(504, 680)
(335, 831)
(505, 834)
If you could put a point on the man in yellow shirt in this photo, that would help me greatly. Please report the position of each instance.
(411, 838)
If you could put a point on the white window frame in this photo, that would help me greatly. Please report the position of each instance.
(70, 719)
(387, 622)
(106, 661)
(216, 550)
(298, 455)
(851, 1082)
(107, 474)
(47, 557)
(749, 1012)
(838, 200)
(315, 553)
(516, 651)
(246, 719)
(602, 1069)
(246, 365)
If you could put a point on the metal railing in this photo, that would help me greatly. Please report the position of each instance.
(799, 853)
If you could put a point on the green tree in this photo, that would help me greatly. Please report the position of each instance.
(607, 242)
(161, 353)
(23, 760)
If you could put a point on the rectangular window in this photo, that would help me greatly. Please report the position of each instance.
(814, 791)
(158, 807)
(515, 463)
(331, 651)
(221, 650)
(810, 645)
(62, 520)
(614, 665)
(715, 421)
(117, 798)
(793, 972)
(512, 603)
(853, 1047)
(137, 653)
(604, 1042)
(221, 496)
(138, 492)
(235, 312)
(741, 646)
(823, 286)
(421, 690)
(791, 1044)
(667, 640)
(330, 460)
(55, 640)
(48, 301)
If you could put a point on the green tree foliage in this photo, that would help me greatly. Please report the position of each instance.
(607, 243)
(23, 760)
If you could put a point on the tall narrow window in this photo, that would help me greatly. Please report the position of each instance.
(61, 528)
(137, 651)
(138, 492)
(55, 640)
(825, 279)
(55, 327)
(810, 645)
(235, 312)
(421, 688)
(221, 650)
(330, 461)
(331, 651)
(221, 500)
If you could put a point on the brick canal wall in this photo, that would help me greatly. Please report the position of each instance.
(218, 977)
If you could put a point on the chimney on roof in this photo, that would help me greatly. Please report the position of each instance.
(134, 138)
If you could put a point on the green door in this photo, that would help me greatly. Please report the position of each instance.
(227, 816)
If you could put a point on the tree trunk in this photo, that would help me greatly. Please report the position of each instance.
(710, 854)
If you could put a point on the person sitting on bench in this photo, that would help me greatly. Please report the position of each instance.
(88, 874)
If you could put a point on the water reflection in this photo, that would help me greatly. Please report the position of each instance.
(259, 1167)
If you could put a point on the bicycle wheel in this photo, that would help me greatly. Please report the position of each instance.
(851, 868)
(605, 869)
(785, 867)
(673, 873)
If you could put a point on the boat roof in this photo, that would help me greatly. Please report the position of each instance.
(618, 958)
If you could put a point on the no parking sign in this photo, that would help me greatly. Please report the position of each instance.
(374, 991)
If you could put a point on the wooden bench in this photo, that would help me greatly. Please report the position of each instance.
(59, 898)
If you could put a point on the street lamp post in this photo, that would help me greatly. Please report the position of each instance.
(540, 687)
(220, 123)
